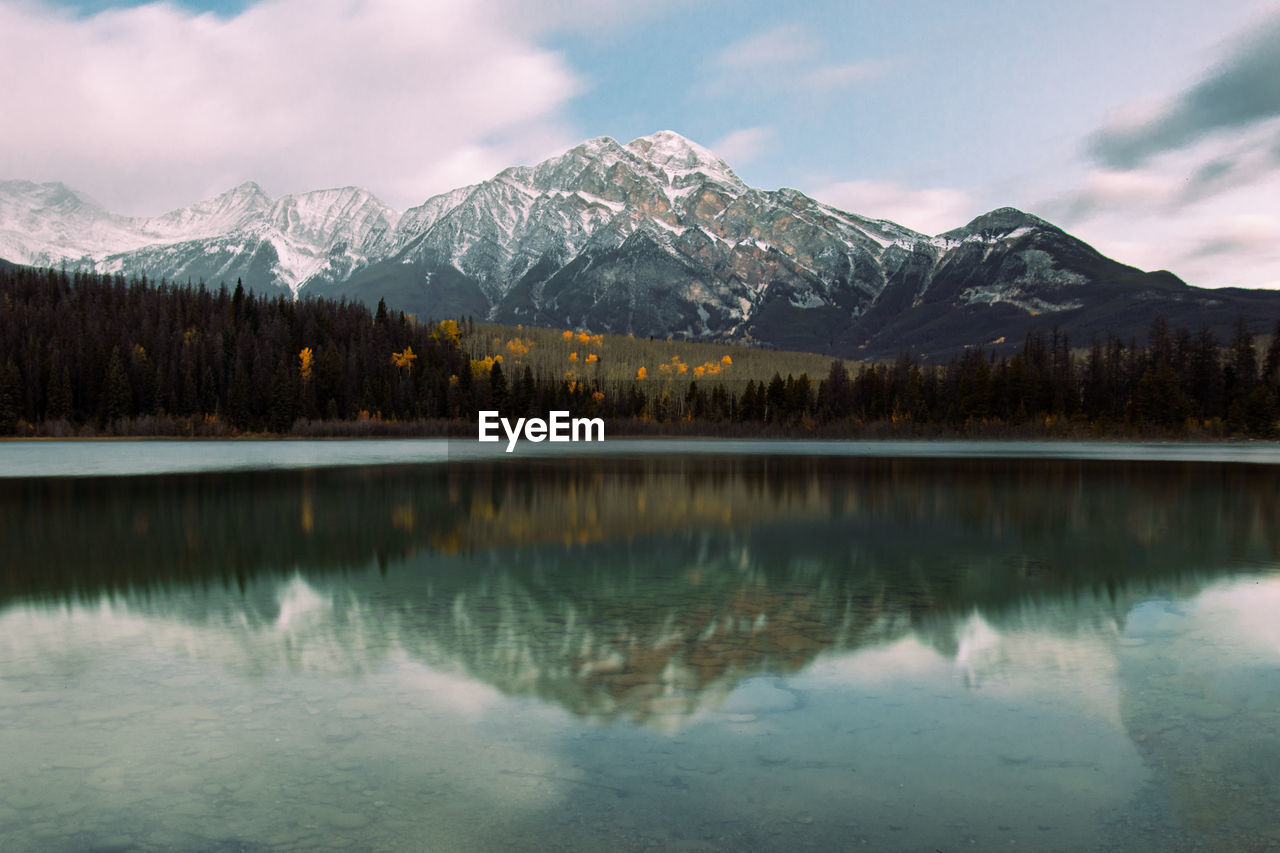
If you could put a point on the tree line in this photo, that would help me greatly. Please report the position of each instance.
(84, 353)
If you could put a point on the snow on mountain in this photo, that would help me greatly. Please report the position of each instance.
(597, 196)
(683, 160)
(46, 223)
(232, 210)
(293, 239)
(658, 236)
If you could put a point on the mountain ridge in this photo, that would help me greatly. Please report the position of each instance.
(656, 237)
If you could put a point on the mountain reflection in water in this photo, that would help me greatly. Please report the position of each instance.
(654, 591)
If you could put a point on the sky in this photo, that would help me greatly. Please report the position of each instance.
(1149, 129)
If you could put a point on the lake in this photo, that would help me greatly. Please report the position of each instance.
(280, 646)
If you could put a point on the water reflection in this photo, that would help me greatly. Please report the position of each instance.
(1089, 645)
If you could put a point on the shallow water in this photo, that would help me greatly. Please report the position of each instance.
(133, 457)
(700, 652)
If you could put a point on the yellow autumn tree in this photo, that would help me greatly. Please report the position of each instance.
(448, 330)
(642, 373)
(305, 359)
(482, 367)
(405, 358)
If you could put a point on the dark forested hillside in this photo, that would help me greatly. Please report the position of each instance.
(95, 350)
(84, 354)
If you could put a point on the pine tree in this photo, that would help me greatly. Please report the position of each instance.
(10, 394)
(497, 387)
(117, 400)
(1271, 365)
(60, 403)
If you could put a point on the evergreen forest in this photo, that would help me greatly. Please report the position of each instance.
(86, 354)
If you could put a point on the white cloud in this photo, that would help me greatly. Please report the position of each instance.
(930, 211)
(789, 44)
(849, 74)
(152, 107)
(1205, 210)
(785, 60)
(743, 145)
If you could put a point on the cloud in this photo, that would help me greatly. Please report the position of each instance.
(1115, 189)
(790, 44)
(1205, 212)
(785, 60)
(1166, 185)
(930, 211)
(1246, 233)
(155, 106)
(744, 145)
(1241, 92)
(848, 74)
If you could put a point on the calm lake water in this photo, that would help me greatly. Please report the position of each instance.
(672, 645)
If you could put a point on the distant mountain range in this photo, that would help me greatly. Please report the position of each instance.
(656, 237)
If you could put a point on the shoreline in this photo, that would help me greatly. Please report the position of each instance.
(658, 436)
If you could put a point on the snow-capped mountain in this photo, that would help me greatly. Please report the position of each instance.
(655, 237)
(658, 236)
(241, 233)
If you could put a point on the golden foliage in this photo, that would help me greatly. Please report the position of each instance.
(642, 373)
(549, 353)
(448, 330)
(402, 359)
(482, 367)
(305, 359)
(573, 356)
(710, 368)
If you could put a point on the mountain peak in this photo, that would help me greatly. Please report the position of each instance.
(245, 187)
(48, 194)
(1003, 220)
(675, 153)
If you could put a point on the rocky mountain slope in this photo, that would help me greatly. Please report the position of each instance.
(656, 237)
